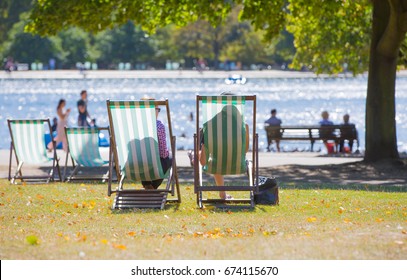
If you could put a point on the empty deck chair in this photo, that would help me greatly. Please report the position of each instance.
(135, 154)
(224, 137)
(28, 145)
(83, 149)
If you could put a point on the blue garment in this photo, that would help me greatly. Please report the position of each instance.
(82, 117)
(273, 121)
(326, 122)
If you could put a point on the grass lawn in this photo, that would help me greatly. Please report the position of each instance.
(75, 221)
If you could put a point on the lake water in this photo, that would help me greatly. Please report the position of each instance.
(298, 101)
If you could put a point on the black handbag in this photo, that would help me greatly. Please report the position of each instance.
(268, 191)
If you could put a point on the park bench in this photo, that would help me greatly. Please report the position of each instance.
(312, 133)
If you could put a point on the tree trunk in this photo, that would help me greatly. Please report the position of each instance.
(381, 137)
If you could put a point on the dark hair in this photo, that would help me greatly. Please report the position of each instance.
(83, 92)
(273, 111)
(60, 103)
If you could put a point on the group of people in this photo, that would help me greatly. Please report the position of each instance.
(84, 120)
(346, 124)
(59, 124)
(276, 122)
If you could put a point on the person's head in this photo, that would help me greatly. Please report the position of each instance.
(346, 118)
(61, 104)
(325, 115)
(84, 94)
(273, 112)
(227, 93)
(54, 120)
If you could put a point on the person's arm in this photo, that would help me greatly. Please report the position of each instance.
(202, 155)
(247, 138)
(162, 140)
(62, 115)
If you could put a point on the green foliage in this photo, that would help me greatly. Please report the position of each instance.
(266, 15)
(165, 45)
(330, 35)
(10, 11)
(41, 49)
(282, 49)
(127, 43)
(247, 49)
(50, 16)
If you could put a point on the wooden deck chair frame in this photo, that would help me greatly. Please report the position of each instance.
(95, 154)
(140, 198)
(41, 141)
(252, 166)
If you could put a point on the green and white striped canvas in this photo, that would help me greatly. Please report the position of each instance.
(134, 127)
(224, 134)
(29, 142)
(84, 146)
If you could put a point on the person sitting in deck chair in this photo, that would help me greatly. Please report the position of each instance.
(219, 179)
(165, 159)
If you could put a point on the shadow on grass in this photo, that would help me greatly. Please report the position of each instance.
(168, 207)
(369, 188)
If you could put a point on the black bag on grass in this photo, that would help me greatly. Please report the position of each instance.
(268, 191)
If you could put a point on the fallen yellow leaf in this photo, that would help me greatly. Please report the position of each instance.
(32, 240)
(119, 246)
(267, 233)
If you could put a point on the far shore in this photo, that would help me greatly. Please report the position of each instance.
(171, 74)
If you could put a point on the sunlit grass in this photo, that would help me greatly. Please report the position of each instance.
(75, 221)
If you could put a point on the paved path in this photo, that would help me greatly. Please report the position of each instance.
(266, 160)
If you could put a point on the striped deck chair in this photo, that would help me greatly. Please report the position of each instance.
(135, 154)
(28, 145)
(83, 148)
(224, 135)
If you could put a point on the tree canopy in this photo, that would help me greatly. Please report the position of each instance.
(328, 36)
(235, 41)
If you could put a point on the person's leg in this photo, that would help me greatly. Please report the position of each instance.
(147, 185)
(341, 146)
(350, 145)
(156, 183)
(269, 142)
(219, 181)
(165, 164)
(278, 145)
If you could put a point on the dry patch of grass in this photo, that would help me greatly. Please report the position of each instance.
(74, 221)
